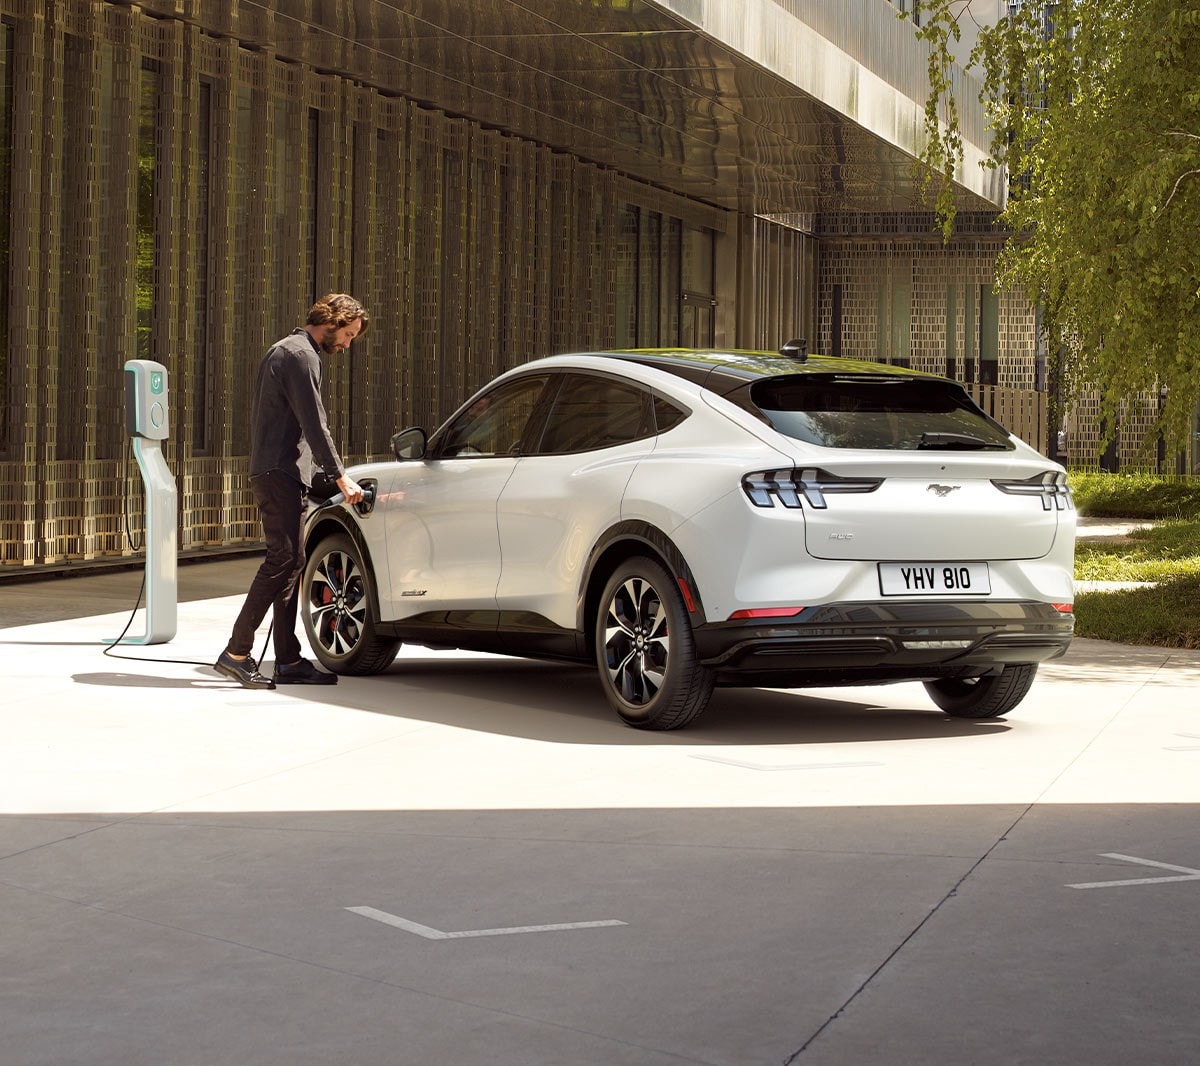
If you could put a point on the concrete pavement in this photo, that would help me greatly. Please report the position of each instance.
(469, 860)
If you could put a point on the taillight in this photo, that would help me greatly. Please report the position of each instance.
(812, 485)
(765, 612)
(1051, 486)
(1064, 608)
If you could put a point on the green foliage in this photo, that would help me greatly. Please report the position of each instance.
(1165, 616)
(944, 150)
(1096, 113)
(1168, 550)
(1135, 495)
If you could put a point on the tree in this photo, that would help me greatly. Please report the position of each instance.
(1095, 106)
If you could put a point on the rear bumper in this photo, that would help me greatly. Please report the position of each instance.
(844, 643)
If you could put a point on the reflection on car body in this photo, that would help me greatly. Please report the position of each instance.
(685, 519)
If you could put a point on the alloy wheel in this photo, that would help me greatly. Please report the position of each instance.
(337, 603)
(637, 641)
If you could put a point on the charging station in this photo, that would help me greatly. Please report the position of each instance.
(147, 421)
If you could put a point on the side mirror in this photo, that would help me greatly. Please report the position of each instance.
(409, 444)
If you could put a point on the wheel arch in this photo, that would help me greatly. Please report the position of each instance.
(621, 542)
(336, 521)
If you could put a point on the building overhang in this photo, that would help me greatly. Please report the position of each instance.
(742, 104)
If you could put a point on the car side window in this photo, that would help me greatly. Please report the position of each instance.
(495, 423)
(592, 411)
(667, 415)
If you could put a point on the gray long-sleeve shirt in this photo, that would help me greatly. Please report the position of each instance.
(289, 431)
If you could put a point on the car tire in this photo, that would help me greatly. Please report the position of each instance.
(645, 651)
(983, 697)
(338, 616)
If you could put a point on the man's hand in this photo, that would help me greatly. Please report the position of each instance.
(350, 489)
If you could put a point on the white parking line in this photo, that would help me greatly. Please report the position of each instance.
(1188, 872)
(430, 933)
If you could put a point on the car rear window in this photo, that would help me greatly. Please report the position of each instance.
(842, 411)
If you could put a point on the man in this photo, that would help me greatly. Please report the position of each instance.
(289, 440)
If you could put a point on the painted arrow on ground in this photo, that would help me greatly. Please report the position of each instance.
(1188, 873)
(437, 934)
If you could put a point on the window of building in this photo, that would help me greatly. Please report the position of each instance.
(203, 386)
(672, 280)
(114, 236)
(970, 335)
(901, 352)
(664, 281)
(314, 156)
(697, 325)
(650, 272)
(248, 254)
(989, 336)
(951, 330)
(6, 98)
(393, 399)
(149, 91)
(698, 260)
(424, 196)
(910, 8)
(78, 264)
(285, 293)
(452, 244)
(510, 261)
(835, 347)
(359, 400)
(627, 274)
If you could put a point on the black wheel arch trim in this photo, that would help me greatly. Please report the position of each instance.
(322, 524)
(620, 539)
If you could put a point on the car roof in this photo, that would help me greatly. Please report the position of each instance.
(722, 370)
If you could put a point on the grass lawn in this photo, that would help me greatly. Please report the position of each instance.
(1168, 550)
(1167, 615)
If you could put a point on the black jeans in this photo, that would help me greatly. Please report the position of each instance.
(280, 501)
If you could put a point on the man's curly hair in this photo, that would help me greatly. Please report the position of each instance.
(338, 309)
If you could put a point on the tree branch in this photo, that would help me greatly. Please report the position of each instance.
(1178, 182)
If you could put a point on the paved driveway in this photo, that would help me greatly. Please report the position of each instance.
(468, 860)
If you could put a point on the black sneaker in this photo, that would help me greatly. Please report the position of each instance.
(302, 673)
(243, 671)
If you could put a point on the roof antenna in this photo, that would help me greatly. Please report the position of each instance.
(796, 349)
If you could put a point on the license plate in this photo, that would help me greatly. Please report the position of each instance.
(934, 579)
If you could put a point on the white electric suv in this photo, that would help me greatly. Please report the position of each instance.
(684, 519)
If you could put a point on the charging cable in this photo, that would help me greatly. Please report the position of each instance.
(333, 501)
(108, 648)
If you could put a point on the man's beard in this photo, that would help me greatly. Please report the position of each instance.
(327, 345)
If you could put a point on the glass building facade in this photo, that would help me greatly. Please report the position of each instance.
(179, 180)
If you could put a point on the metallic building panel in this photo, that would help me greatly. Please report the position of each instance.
(741, 103)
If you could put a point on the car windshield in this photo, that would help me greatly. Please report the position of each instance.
(842, 411)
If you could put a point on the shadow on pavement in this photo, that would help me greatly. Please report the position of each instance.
(564, 704)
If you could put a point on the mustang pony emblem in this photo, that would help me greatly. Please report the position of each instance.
(943, 490)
